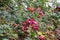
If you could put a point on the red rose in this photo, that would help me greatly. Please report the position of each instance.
(34, 22)
(28, 21)
(34, 27)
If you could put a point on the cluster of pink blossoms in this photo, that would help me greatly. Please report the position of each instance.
(29, 22)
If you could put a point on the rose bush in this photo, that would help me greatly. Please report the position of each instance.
(29, 20)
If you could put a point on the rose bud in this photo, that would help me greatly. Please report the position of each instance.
(38, 16)
(42, 14)
(23, 28)
(31, 9)
(15, 25)
(40, 37)
(24, 24)
(58, 8)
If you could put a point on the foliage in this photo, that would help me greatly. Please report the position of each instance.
(28, 20)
